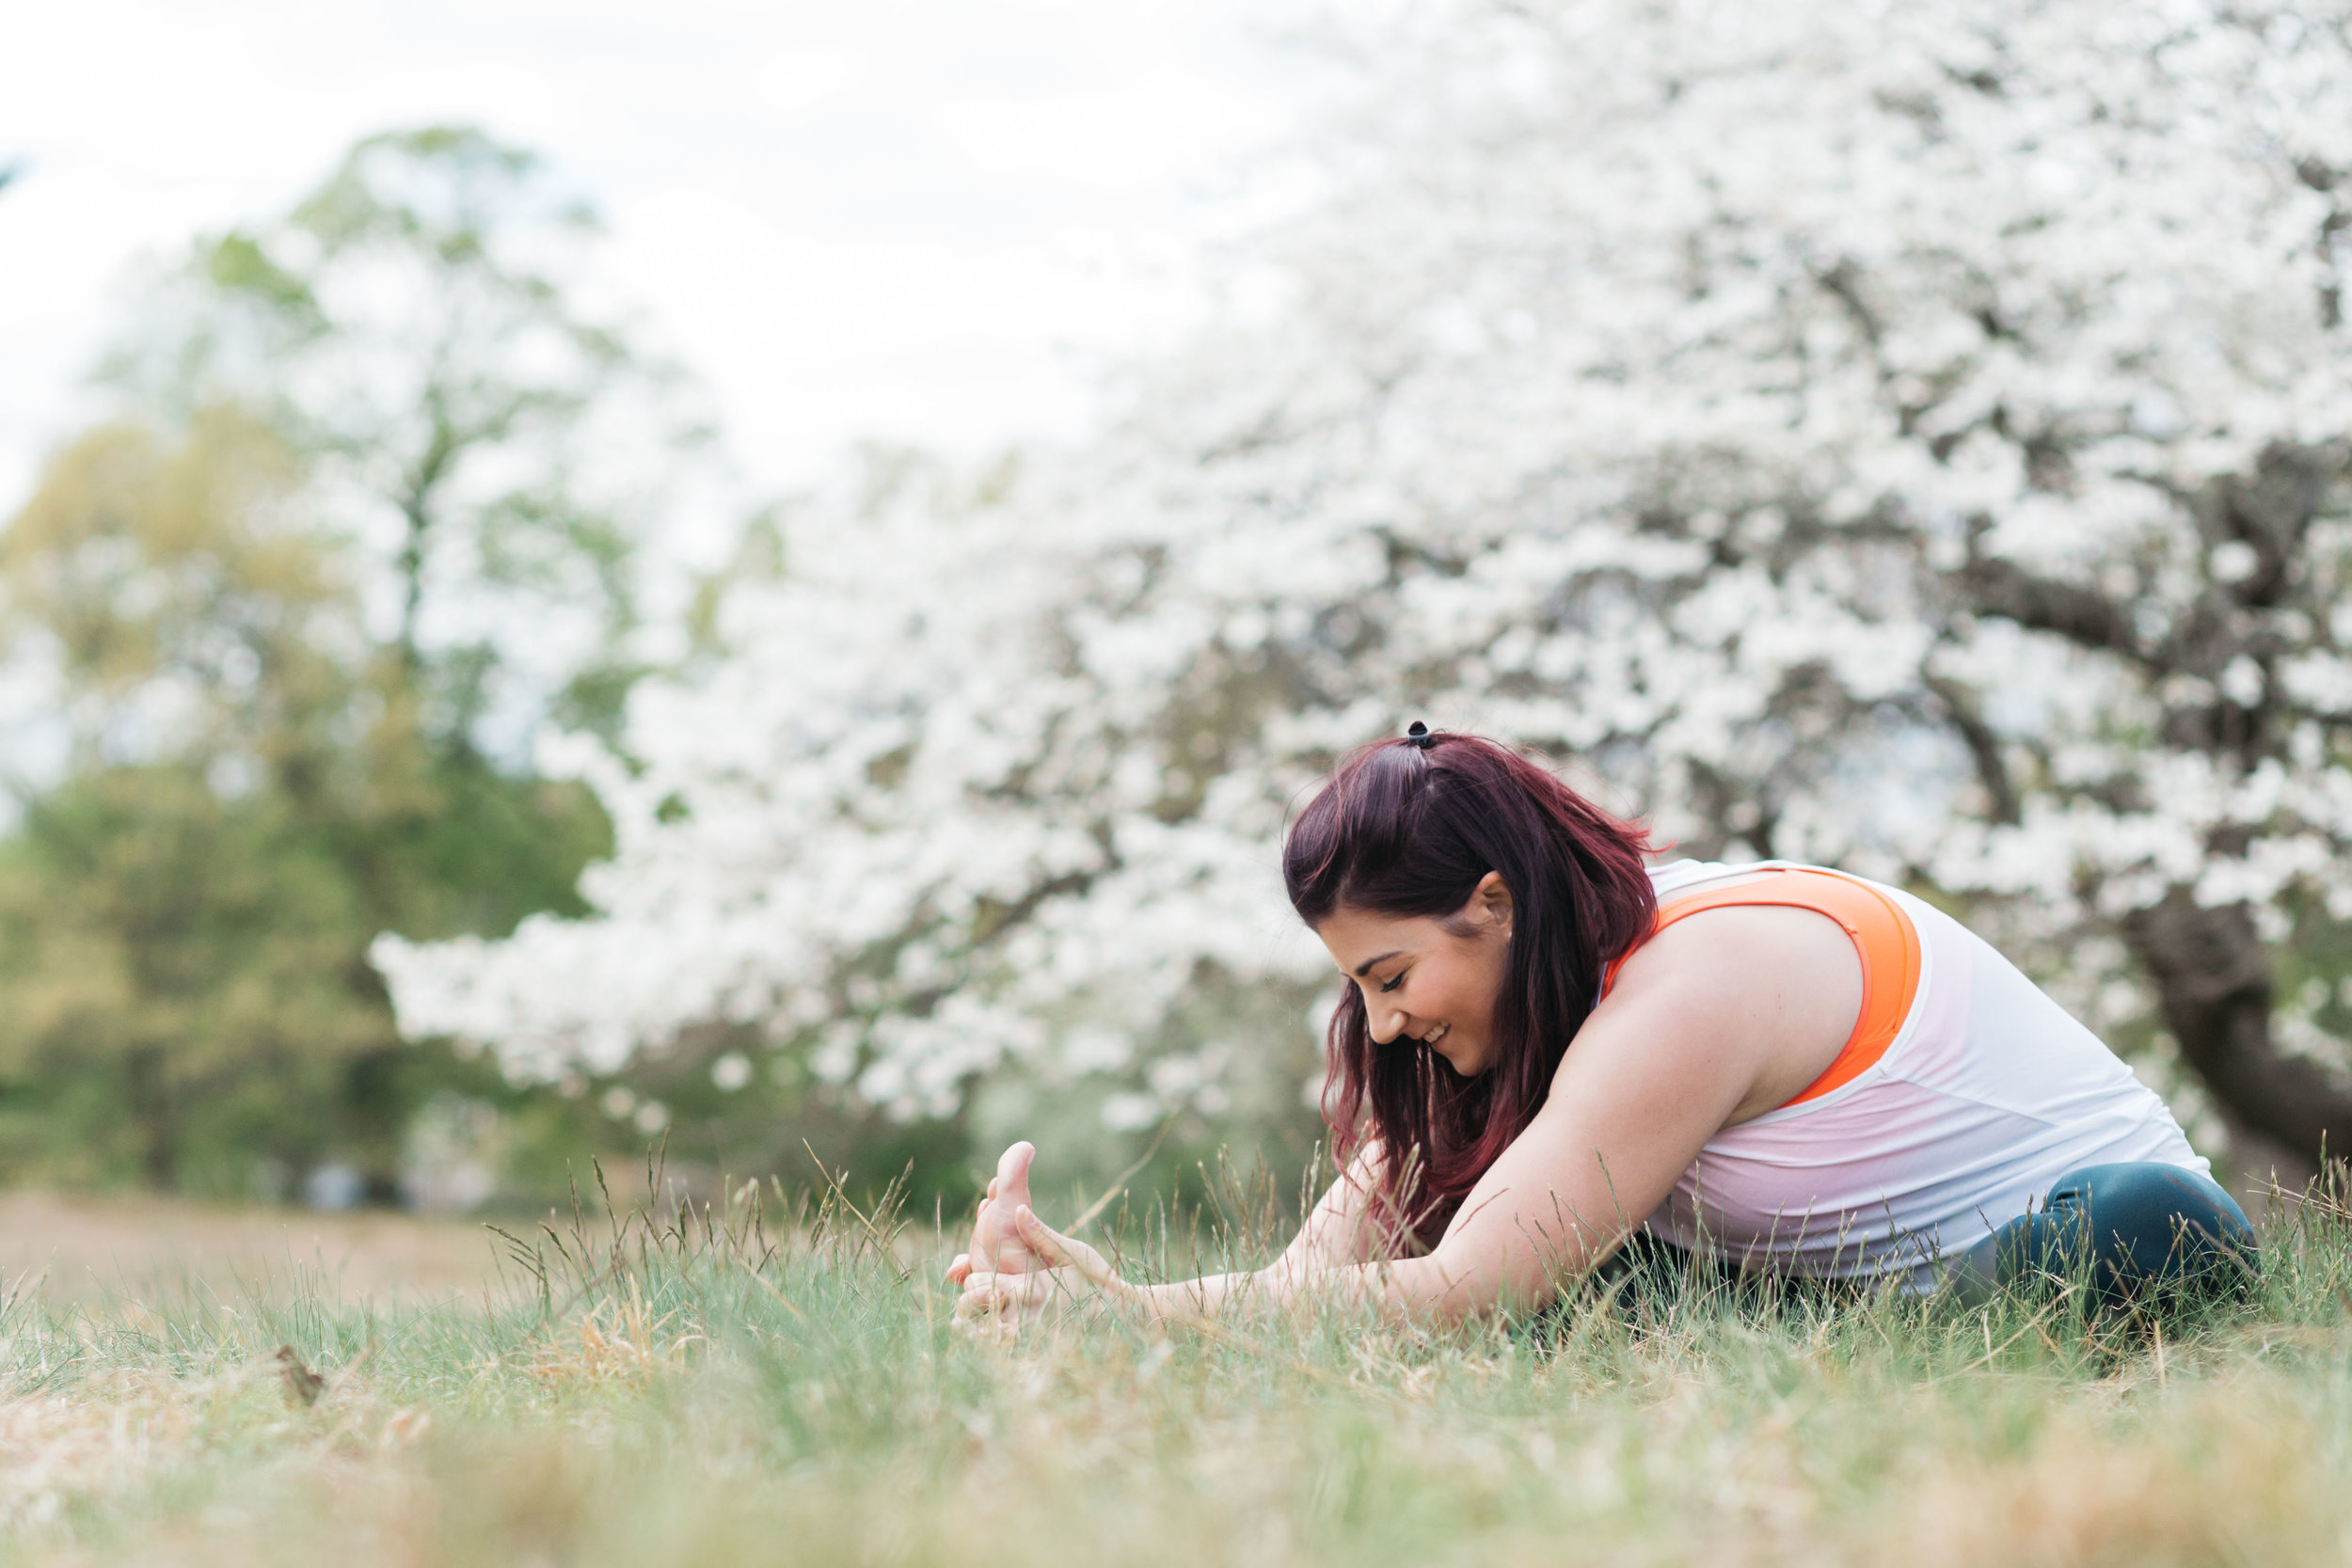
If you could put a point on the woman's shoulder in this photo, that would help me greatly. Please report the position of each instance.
(1766, 992)
(1726, 954)
(1669, 878)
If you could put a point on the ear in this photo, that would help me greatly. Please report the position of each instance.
(1491, 901)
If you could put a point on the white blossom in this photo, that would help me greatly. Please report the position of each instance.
(1697, 391)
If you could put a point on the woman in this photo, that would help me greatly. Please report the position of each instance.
(1544, 1048)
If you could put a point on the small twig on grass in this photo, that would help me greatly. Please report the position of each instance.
(303, 1386)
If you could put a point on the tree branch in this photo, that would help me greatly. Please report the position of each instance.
(1990, 586)
(2212, 978)
(1984, 748)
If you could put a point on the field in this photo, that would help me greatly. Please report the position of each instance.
(83, 1249)
(782, 1382)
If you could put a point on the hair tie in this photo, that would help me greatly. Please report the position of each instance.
(1418, 734)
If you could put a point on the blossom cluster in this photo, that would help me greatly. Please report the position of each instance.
(1910, 438)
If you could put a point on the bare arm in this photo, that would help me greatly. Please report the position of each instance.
(1643, 1088)
(1720, 1017)
(1340, 1229)
(1339, 1232)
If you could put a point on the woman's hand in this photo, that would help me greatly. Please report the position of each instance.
(996, 1247)
(1067, 1275)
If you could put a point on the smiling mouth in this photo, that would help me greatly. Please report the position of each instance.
(1439, 1033)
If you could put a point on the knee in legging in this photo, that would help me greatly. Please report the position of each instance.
(2133, 1232)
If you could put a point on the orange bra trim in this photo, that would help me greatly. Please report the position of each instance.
(1883, 936)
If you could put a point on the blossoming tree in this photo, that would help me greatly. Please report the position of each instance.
(1913, 437)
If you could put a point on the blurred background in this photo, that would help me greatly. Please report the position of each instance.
(759, 580)
(382, 384)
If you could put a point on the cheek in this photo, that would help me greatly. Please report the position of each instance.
(1488, 986)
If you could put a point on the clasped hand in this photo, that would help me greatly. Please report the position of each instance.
(1018, 1266)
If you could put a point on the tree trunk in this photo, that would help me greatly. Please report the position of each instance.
(152, 1113)
(2213, 977)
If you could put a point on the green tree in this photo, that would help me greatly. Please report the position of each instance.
(410, 329)
(163, 931)
(366, 497)
(248, 801)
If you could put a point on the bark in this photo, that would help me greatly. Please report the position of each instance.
(154, 1113)
(2213, 977)
(419, 495)
(2211, 969)
(2084, 616)
(1985, 750)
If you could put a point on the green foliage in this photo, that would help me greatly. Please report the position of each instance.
(380, 399)
(184, 610)
(192, 960)
(408, 329)
(183, 988)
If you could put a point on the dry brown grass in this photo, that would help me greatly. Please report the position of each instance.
(84, 1249)
(619, 1340)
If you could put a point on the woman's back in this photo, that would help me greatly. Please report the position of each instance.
(1981, 1092)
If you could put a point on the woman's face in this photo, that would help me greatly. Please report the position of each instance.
(1429, 979)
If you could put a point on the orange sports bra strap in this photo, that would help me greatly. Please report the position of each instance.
(1883, 935)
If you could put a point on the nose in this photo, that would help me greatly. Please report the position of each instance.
(1385, 1021)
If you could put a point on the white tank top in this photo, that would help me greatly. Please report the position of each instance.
(1976, 1093)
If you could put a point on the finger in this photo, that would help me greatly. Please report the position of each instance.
(1002, 1295)
(1012, 1168)
(1043, 1237)
(992, 1187)
(999, 1234)
(961, 1270)
(1060, 1249)
(991, 1231)
(990, 1312)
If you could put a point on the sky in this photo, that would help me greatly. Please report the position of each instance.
(925, 220)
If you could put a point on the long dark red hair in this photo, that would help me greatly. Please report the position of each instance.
(1409, 828)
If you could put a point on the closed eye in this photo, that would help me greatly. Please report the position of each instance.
(1391, 985)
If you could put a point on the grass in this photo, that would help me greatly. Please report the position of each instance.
(722, 1387)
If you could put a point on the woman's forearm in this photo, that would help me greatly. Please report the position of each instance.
(1187, 1301)
(1414, 1289)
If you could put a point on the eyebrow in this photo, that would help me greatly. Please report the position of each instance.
(1365, 967)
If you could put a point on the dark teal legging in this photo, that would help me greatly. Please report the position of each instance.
(2134, 1232)
(2137, 1232)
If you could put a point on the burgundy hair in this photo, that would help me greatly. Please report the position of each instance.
(1409, 828)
